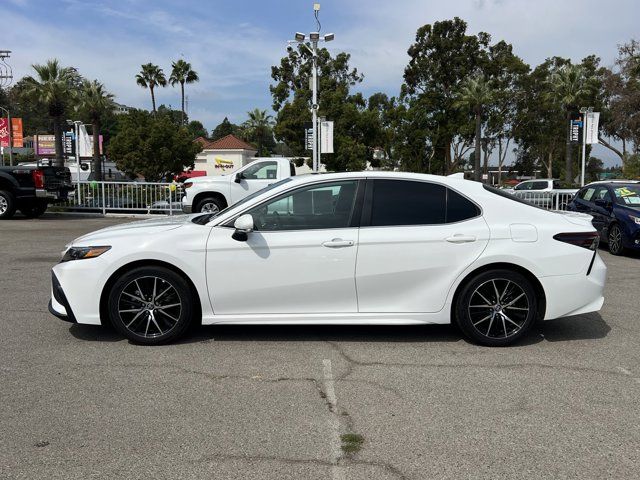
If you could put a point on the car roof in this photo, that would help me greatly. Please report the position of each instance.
(612, 182)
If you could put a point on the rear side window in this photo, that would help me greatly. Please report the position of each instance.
(402, 202)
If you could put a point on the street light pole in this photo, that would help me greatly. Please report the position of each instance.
(315, 38)
(585, 113)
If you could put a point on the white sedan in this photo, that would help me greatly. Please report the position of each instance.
(367, 248)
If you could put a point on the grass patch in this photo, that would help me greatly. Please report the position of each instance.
(351, 442)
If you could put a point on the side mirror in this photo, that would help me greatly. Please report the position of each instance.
(602, 203)
(238, 178)
(243, 226)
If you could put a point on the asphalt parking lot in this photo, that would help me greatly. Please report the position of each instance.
(80, 402)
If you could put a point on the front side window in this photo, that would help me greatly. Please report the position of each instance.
(403, 202)
(261, 171)
(320, 206)
(587, 194)
(523, 186)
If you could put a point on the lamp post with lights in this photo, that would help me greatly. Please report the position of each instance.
(314, 38)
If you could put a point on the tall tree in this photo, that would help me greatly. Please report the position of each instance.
(224, 128)
(259, 129)
(181, 73)
(441, 58)
(568, 87)
(54, 88)
(475, 93)
(96, 103)
(151, 76)
(151, 146)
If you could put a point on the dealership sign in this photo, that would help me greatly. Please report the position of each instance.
(44, 144)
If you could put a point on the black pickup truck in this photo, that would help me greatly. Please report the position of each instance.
(31, 189)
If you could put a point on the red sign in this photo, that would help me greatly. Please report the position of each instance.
(16, 132)
(4, 132)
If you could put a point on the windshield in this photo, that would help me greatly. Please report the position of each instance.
(628, 195)
(207, 217)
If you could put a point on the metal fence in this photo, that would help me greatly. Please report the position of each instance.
(550, 200)
(125, 197)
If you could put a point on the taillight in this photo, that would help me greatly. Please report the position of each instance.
(588, 240)
(38, 178)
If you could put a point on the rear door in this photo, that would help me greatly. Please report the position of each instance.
(416, 238)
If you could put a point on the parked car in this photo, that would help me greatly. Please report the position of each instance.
(214, 193)
(615, 208)
(361, 248)
(31, 188)
(544, 192)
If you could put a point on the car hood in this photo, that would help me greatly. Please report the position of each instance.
(140, 228)
(210, 179)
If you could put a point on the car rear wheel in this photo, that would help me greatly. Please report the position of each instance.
(209, 205)
(496, 308)
(151, 305)
(7, 205)
(614, 240)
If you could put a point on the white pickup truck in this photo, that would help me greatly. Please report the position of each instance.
(213, 193)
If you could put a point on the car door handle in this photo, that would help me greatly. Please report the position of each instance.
(338, 243)
(458, 238)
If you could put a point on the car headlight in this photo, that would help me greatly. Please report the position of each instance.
(187, 185)
(80, 253)
(635, 219)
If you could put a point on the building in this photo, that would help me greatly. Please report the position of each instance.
(120, 109)
(224, 155)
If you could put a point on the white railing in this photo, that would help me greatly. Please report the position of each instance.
(551, 200)
(132, 197)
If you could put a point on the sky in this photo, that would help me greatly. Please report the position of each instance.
(233, 44)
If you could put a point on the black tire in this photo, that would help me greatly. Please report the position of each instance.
(482, 312)
(614, 240)
(209, 205)
(34, 210)
(7, 205)
(152, 322)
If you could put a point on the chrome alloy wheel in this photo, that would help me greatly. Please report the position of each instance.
(149, 306)
(498, 308)
(615, 239)
(4, 205)
(210, 207)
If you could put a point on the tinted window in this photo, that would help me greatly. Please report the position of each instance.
(400, 202)
(459, 208)
(556, 185)
(327, 205)
(523, 186)
(261, 171)
(602, 193)
(539, 185)
(587, 194)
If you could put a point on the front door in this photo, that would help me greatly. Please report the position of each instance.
(300, 259)
(417, 238)
(254, 177)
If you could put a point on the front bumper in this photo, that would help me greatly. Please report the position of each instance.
(59, 305)
(187, 208)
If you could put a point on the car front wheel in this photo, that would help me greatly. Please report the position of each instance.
(496, 308)
(151, 305)
(615, 240)
(209, 205)
(7, 205)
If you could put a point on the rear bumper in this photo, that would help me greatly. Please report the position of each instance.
(575, 294)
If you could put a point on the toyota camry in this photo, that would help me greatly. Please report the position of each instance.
(367, 248)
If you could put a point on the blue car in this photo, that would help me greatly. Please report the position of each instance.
(615, 207)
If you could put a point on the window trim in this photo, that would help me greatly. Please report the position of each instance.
(367, 208)
(355, 217)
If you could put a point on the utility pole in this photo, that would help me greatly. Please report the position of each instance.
(314, 37)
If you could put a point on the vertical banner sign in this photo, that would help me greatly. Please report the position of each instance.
(16, 132)
(593, 118)
(326, 137)
(4, 132)
(308, 135)
(68, 144)
(576, 128)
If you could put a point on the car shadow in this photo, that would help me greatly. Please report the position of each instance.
(583, 327)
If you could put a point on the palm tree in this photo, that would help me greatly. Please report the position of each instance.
(181, 72)
(258, 126)
(95, 102)
(53, 87)
(475, 93)
(568, 86)
(149, 77)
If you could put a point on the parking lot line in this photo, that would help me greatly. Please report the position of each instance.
(337, 472)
